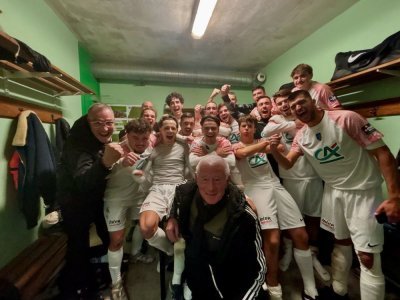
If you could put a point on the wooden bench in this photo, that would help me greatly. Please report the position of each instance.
(30, 271)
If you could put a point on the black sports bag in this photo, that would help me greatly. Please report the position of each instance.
(355, 61)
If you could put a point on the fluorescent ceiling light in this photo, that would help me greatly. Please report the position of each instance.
(203, 16)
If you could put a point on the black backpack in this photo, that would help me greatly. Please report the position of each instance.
(40, 62)
(355, 61)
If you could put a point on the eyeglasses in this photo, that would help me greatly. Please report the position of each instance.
(98, 124)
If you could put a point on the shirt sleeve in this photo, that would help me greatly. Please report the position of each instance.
(357, 127)
(273, 128)
(326, 98)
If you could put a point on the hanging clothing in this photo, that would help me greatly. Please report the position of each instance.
(62, 132)
(36, 169)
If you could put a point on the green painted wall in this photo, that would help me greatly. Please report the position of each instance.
(131, 94)
(34, 23)
(362, 26)
(87, 78)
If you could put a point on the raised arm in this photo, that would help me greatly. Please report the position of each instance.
(274, 127)
(251, 149)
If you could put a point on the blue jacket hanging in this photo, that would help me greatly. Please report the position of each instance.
(37, 168)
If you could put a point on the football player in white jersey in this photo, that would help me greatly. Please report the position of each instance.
(123, 194)
(275, 207)
(301, 181)
(350, 156)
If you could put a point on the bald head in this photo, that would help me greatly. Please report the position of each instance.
(96, 108)
(213, 161)
(212, 173)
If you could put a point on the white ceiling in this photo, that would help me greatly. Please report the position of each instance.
(243, 35)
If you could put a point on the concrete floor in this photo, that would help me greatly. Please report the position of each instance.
(143, 283)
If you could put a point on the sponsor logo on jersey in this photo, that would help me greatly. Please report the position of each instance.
(332, 98)
(327, 223)
(368, 129)
(328, 154)
(265, 220)
(114, 222)
(318, 136)
(372, 246)
(234, 138)
(257, 160)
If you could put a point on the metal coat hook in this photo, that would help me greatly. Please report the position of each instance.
(373, 111)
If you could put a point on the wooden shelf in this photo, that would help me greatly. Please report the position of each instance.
(55, 82)
(380, 108)
(386, 70)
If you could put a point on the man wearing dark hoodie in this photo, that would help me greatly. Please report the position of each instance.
(223, 254)
(87, 159)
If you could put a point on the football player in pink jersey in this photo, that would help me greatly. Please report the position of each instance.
(322, 94)
(350, 156)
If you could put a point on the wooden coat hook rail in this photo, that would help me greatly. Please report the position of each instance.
(11, 108)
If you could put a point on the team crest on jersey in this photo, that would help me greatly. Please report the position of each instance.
(328, 154)
(318, 136)
(234, 138)
(287, 137)
(368, 129)
(257, 160)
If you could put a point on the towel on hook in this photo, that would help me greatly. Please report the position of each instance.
(22, 128)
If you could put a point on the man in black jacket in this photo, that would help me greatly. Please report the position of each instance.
(223, 254)
(87, 158)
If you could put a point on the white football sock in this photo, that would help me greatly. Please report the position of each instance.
(159, 240)
(275, 292)
(341, 260)
(372, 281)
(114, 264)
(304, 262)
(179, 261)
(321, 271)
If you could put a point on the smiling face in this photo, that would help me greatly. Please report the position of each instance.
(264, 107)
(302, 80)
(304, 109)
(138, 141)
(187, 126)
(212, 181)
(168, 131)
(150, 116)
(224, 114)
(282, 103)
(101, 123)
(210, 131)
(257, 93)
(232, 98)
(176, 107)
(211, 109)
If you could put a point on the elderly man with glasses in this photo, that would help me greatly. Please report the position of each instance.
(87, 159)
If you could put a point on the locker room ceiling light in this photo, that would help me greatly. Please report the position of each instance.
(202, 18)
